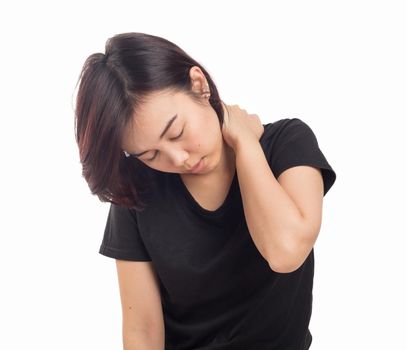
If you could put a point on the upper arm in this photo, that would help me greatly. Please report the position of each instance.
(304, 185)
(140, 297)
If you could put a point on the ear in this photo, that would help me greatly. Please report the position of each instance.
(198, 80)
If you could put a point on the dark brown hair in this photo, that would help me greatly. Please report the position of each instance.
(111, 87)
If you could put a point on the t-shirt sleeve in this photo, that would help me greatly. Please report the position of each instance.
(296, 145)
(121, 239)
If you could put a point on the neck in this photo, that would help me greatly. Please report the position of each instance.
(229, 159)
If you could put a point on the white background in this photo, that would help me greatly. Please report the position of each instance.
(339, 66)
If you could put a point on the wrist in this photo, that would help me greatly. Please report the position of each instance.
(243, 145)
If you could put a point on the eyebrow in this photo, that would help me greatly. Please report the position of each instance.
(169, 123)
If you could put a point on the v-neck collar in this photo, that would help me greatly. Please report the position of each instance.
(196, 206)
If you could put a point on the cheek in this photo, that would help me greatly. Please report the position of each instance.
(209, 143)
(205, 136)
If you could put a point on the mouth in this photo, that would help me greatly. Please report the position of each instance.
(197, 166)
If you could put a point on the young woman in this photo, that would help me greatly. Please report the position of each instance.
(213, 215)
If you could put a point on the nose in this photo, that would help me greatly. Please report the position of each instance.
(178, 158)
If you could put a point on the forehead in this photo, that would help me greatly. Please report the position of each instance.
(150, 118)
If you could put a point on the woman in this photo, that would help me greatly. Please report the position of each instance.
(213, 215)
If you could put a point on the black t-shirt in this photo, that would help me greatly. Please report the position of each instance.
(217, 290)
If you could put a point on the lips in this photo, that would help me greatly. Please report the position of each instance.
(196, 165)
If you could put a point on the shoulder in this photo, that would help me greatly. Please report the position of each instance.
(286, 124)
(291, 142)
(280, 131)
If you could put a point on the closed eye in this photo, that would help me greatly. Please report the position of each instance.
(174, 138)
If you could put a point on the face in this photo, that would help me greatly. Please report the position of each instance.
(193, 134)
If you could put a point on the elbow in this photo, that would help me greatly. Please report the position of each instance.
(283, 268)
(287, 260)
(291, 251)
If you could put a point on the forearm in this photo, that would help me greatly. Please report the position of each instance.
(274, 221)
(140, 340)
